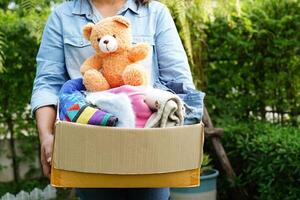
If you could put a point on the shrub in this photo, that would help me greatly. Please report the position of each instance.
(266, 158)
(30, 184)
(251, 60)
(20, 49)
(26, 185)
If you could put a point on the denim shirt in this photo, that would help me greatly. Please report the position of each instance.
(193, 100)
(63, 48)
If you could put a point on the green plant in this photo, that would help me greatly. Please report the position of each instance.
(240, 51)
(18, 47)
(190, 17)
(2, 54)
(206, 163)
(265, 157)
(29, 184)
(26, 185)
(248, 55)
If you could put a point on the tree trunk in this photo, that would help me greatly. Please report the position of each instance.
(15, 163)
(10, 126)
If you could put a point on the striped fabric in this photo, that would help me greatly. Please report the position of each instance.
(89, 115)
(73, 108)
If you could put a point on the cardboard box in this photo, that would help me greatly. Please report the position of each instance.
(86, 156)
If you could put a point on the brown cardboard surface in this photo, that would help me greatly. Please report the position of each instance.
(62, 178)
(106, 150)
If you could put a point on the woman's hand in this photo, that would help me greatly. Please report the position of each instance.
(46, 153)
(45, 117)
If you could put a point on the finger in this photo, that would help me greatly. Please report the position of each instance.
(48, 153)
(45, 165)
(49, 160)
(46, 170)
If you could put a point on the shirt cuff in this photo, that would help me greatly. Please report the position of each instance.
(42, 98)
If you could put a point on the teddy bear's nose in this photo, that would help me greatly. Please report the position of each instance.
(105, 41)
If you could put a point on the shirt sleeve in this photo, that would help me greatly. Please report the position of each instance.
(51, 72)
(172, 59)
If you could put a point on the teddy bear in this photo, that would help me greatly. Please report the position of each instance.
(116, 61)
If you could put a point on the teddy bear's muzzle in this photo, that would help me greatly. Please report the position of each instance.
(108, 44)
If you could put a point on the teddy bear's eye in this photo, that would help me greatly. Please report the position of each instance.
(114, 36)
(98, 39)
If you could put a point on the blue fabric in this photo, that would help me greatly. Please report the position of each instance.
(124, 194)
(70, 95)
(63, 47)
(193, 100)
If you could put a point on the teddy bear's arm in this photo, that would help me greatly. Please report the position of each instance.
(138, 52)
(93, 62)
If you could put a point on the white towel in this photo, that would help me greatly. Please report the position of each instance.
(168, 107)
(117, 104)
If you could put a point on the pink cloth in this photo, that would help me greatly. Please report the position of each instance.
(136, 95)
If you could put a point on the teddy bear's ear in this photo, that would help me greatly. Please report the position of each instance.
(87, 30)
(121, 20)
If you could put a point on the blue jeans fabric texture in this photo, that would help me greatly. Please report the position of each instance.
(124, 194)
(193, 100)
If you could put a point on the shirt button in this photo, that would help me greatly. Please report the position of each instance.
(81, 43)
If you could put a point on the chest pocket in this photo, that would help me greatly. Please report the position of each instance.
(77, 50)
(77, 46)
(148, 62)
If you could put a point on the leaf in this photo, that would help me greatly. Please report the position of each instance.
(2, 54)
(27, 5)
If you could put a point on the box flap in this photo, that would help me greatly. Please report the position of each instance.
(107, 150)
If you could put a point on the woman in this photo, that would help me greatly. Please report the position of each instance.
(63, 49)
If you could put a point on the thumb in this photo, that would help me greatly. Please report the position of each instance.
(48, 154)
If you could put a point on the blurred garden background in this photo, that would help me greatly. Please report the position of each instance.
(244, 54)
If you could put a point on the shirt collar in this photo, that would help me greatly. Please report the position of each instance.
(131, 5)
(83, 7)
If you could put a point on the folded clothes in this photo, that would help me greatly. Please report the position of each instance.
(136, 94)
(193, 100)
(117, 104)
(73, 107)
(168, 107)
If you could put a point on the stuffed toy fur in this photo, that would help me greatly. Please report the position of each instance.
(116, 60)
